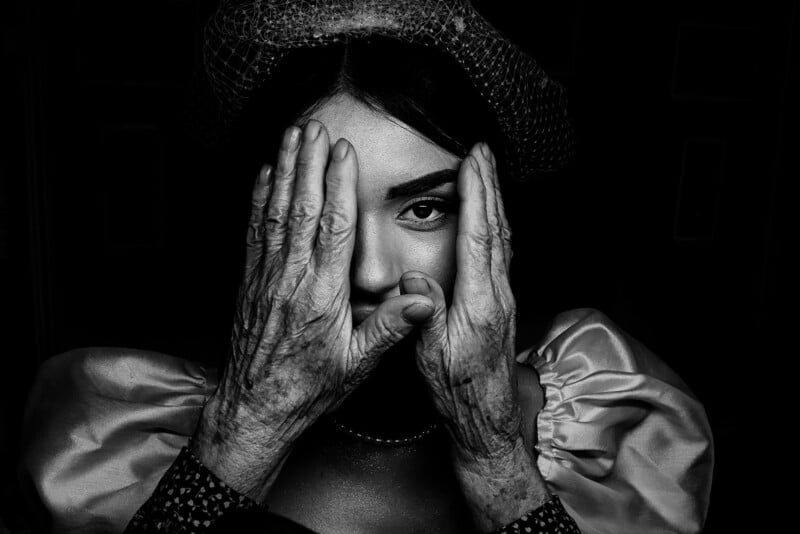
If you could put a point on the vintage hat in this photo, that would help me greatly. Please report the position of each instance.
(246, 39)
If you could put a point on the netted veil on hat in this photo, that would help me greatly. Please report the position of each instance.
(246, 39)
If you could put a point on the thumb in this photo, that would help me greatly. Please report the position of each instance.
(432, 331)
(393, 320)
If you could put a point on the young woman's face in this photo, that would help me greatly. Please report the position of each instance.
(407, 202)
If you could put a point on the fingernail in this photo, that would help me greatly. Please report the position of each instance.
(312, 130)
(340, 150)
(266, 174)
(292, 138)
(417, 312)
(416, 285)
(486, 151)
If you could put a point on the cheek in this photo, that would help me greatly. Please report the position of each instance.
(433, 253)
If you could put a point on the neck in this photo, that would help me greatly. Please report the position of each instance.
(393, 402)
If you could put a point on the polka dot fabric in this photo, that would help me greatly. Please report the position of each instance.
(246, 39)
(188, 500)
(550, 518)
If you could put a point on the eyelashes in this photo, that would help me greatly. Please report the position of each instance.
(429, 213)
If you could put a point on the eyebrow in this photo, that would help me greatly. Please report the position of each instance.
(422, 184)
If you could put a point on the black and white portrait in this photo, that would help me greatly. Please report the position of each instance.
(389, 266)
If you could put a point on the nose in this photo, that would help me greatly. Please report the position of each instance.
(374, 274)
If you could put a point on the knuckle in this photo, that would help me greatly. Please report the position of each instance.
(510, 306)
(303, 211)
(276, 216)
(382, 332)
(254, 234)
(334, 227)
(254, 228)
(335, 177)
(257, 203)
(285, 171)
(481, 238)
(491, 173)
(306, 161)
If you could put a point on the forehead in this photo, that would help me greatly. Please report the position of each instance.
(389, 151)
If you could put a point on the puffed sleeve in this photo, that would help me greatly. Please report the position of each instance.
(620, 438)
(101, 428)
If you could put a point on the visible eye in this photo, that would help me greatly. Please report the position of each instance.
(427, 213)
(423, 210)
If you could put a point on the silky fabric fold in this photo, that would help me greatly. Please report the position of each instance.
(619, 437)
(102, 427)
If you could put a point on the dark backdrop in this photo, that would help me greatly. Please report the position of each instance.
(117, 227)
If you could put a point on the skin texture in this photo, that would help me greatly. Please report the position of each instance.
(392, 239)
(337, 273)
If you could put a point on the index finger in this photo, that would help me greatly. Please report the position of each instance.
(501, 233)
(474, 239)
(336, 236)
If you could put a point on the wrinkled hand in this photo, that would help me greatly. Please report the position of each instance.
(295, 354)
(467, 355)
(466, 352)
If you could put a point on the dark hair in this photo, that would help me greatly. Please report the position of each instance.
(422, 87)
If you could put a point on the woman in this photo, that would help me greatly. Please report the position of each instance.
(374, 384)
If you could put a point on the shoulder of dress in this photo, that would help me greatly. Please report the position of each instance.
(102, 425)
(577, 321)
(120, 373)
(585, 341)
(620, 437)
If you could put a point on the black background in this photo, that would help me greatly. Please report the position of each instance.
(117, 227)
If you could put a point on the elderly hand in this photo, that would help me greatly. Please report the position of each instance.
(467, 355)
(295, 353)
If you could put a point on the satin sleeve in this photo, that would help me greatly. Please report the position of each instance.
(101, 428)
(620, 438)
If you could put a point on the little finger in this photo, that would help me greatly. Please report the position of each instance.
(255, 228)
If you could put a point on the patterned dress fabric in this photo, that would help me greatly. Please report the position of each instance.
(191, 500)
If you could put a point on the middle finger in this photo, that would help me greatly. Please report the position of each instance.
(308, 195)
(474, 239)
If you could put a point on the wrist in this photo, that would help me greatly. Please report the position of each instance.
(502, 486)
(245, 454)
